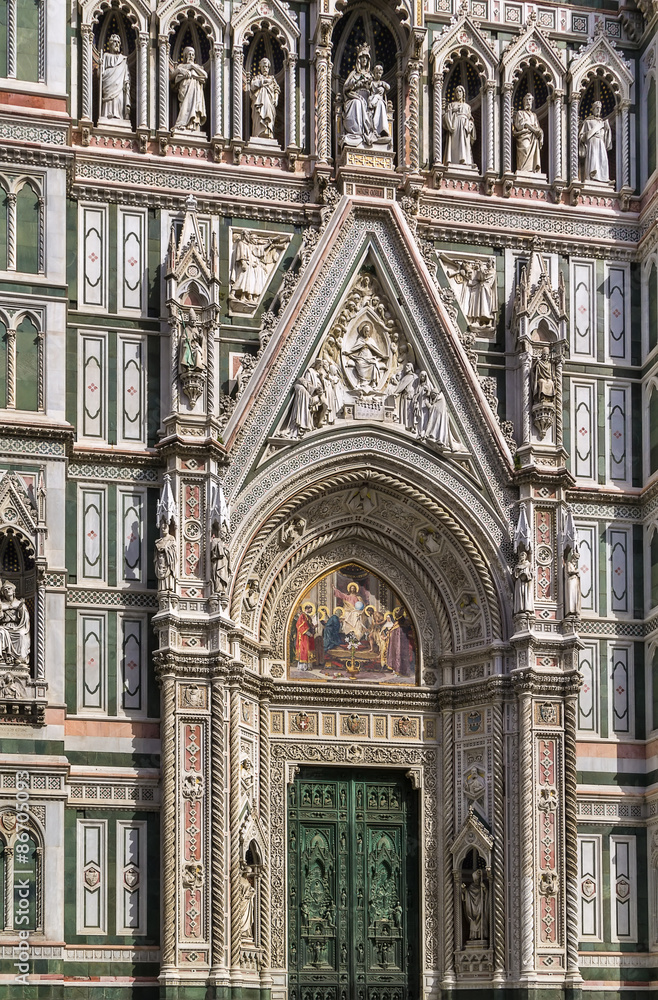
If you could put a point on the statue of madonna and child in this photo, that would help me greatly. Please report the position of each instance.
(365, 104)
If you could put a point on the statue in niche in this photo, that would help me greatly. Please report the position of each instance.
(115, 82)
(363, 100)
(594, 141)
(247, 905)
(220, 560)
(189, 80)
(474, 899)
(404, 389)
(14, 626)
(165, 557)
(191, 358)
(572, 590)
(264, 92)
(254, 259)
(524, 601)
(460, 130)
(543, 379)
(250, 599)
(474, 784)
(529, 137)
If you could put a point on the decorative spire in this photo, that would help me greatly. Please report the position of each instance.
(522, 532)
(167, 510)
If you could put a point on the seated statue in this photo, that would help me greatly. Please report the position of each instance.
(14, 626)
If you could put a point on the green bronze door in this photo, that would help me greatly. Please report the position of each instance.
(352, 886)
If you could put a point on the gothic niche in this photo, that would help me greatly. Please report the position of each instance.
(189, 75)
(364, 82)
(462, 118)
(367, 370)
(114, 57)
(530, 129)
(264, 91)
(596, 134)
(472, 878)
(351, 626)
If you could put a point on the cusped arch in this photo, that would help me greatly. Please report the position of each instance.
(464, 40)
(601, 59)
(250, 19)
(172, 14)
(533, 50)
(136, 13)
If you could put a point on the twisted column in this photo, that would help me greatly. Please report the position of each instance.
(323, 103)
(41, 388)
(41, 631)
(291, 96)
(8, 889)
(41, 228)
(490, 115)
(264, 809)
(414, 115)
(41, 40)
(217, 84)
(11, 369)
(574, 124)
(448, 830)
(217, 826)
(142, 57)
(527, 835)
(437, 147)
(571, 834)
(507, 128)
(559, 416)
(499, 835)
(238, 61)
(11, 231)
(86, 70)
(163, 96)
(625, 145)
(234, 764)
(168, 823)
(558, 98)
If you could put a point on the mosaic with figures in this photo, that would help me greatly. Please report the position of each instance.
(350, 625)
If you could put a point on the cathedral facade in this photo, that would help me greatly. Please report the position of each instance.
(328, 499)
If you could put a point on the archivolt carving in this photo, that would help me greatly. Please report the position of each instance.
(360, 755)
(264, 548)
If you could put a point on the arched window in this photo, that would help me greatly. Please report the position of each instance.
(27, 230)
(27, 365)
(264, 45)
(533, 82)
(21, 873)
(653, 431)
(3, 38)
(653, 307)
(29, 14)
(651, 127)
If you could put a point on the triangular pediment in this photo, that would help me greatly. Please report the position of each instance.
(473, 834)
(464, 33)
(600, 53)
(367, 306)
(534, 46)
(18, 511)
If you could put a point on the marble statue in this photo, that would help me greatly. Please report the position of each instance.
(543, 379)
(250, 599)
(438, 424)
(475, 285)
(524, 600)
(474, 898)
(572, 589)
(248, 896)
(404, 389)
(115, 82)
(594, 141)
(367, 358)
(529, 137)
(14, 626)
(189, 80)
(165, 557)
(191, 357)
(460, 130)
(264, 93)
(364, 117)
(254, 259)
(220, 561)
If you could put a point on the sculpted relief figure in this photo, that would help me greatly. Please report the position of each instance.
(594, 141)
(475, 284)
(14, 626)
(529, 137)
(254, 259)
(189, 81)
(264, 92)
(367, 357)
(220, 561)
(115, 82)
(572, 590)
(460, 130)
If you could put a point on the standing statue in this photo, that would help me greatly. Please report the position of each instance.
(165, 557)
(14, 626)
(378, 101)
(543, 379)
(191, 346)
(220, 561)
(264, 91)
(594, 141)
(474, 898)
(524, 600)
(529, 138)
(247, 901)
(460, 130)
(189, 79)
(404, 389)
(438, 423)
(115, 82)
(572, 590)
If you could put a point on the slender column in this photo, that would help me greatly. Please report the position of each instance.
(11, 369)
(175, 337)
(625, 145)
(218, 827)
(526, 364)
(264, 806)
(41, 393)
(11, 37)
(11, 231)
(41, 631)
(574, 173)
(41, 40)
(234, 749)
(500, 839)
(402, 152)
(291, 102)
(437, 150)
(571, 834)
(41, 223)
(490, 115)
(168, 825)
(218, 83)
(38, 902)
(507, 128)
(558, 400)
(238, 60)
(142, 57)
(210, 374)
(414, 115)
(9, 889)
(558, 103)
(163, 96)
(527, 835)
(448, 832)
(86, 72)
(323, 103)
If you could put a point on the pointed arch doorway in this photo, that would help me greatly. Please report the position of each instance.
(353, 886)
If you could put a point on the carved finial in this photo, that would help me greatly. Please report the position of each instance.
(167, 510)
(522, 532)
